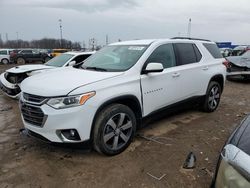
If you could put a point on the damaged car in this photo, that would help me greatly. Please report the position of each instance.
(239, 66)
(233, 168)
(11, 79)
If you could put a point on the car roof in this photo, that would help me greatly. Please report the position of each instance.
(150, 41)
(80, 53)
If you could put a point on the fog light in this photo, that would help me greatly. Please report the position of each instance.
(71, 134)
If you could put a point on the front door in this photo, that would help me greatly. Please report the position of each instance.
(160, 89)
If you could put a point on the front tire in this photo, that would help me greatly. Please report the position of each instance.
(212, 98)
(5, 61)
(114, 129)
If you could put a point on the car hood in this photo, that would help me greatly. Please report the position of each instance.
(62, 81)
(239, 61)
(28, 68)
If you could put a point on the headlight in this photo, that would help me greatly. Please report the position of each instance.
(71, 101)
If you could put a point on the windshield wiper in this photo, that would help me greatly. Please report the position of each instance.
(96, 68)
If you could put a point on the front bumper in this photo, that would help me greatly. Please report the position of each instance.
(9, 89)
(79, 118)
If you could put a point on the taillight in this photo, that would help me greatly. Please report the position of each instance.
(226, 63)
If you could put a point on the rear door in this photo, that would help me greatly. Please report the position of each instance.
(189, 68)
(160, 89)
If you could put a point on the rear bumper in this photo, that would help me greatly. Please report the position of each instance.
(238, 73)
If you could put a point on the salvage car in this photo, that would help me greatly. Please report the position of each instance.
(29, 56)
(233, 168)
(11, 79)
(239, 66)
(104, 102)
(5, 55)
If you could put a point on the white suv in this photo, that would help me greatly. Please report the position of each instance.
(105, 100)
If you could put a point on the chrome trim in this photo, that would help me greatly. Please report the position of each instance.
(45, 117)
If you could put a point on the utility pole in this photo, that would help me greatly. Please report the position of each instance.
(107, 39)
(6, 36)
(17, 42)
(189, 28)
(60, 26)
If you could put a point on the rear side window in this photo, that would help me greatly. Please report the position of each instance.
(163, 54)
(3, 52)
(213, 50)
(187, 53)
(26, 52)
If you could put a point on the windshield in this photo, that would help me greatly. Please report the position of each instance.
(59, 61)
(115, 58)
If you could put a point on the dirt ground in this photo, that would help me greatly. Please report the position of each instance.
(25, 162)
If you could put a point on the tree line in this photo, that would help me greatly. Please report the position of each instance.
(45, 43)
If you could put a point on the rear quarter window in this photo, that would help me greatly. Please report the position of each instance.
(213, 50)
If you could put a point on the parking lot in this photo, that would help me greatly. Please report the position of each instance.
(25, 162)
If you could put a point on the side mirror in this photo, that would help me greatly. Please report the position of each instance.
(153, 67)
(72, 63)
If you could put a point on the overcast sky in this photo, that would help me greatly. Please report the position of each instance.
(218, 20)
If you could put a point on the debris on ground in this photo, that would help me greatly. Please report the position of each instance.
(5, 108)
(190, 161)
(158, 140)
(157, 178)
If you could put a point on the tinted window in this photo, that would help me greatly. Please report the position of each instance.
(244, 141)
(186, 53)
(213, 50)
(26, 51)
(163, 54)
(197, 53)
(3, 52)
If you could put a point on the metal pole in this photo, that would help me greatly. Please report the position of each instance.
(17, 39)
(189, 28)
(60, 25)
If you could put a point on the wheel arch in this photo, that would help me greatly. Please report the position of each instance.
(129, 100)
(218, 78)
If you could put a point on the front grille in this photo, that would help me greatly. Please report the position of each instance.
(32, 114)
(34, 99)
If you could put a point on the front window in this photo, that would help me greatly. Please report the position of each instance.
(115, 58)
(59, 61)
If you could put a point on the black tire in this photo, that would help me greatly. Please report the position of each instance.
(5, 61)
(114, 129)
(46, 59)
(20, 61)
(212, 98)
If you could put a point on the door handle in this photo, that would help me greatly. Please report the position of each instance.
(205, 68)
(176, 74)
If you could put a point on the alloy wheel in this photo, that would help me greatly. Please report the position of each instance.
(214, 97)
(117, 131)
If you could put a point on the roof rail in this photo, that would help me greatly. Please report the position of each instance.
(188, 38)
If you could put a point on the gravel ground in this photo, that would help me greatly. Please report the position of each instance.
(25, 162)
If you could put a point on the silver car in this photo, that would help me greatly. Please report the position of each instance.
(239, 66)
(233, 168)
(5, 55)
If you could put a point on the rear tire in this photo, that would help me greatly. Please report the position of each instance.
(46, 59)
(212, 98)
(114, 129)
(20, 61)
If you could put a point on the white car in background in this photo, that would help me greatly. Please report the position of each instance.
(5, 55)
(11, 79)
